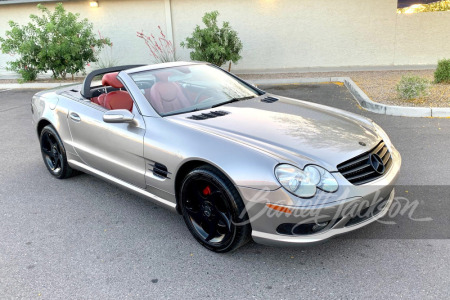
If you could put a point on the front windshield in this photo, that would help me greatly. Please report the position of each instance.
(189, 88)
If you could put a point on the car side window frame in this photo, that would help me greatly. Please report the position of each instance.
(86, 89)
(144, 107)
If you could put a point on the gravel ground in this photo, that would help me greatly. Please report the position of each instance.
(380, 86)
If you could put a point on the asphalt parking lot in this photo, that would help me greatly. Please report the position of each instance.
(83, 238)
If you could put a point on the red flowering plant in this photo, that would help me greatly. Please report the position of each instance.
(161, 49)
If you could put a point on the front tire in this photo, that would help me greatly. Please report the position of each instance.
(54, 154)
(213, 210)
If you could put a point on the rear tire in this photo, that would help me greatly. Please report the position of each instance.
(54, 153)
(213, 210)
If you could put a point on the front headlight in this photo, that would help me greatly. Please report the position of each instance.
(383, 135)
(304, 183)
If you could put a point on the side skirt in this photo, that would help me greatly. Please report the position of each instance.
(158, 200)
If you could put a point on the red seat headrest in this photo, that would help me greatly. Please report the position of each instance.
(111, 80)
(162, 76)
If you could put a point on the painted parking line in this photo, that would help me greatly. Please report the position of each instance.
(5, 90)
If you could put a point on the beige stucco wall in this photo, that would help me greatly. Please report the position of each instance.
(300, 34)
(277, 34)
(422, 38)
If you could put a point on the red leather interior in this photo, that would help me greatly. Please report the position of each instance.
(114, 99)
(167, 96)
(101, 100)
(118, 100)
(94, 99)
(111, 80)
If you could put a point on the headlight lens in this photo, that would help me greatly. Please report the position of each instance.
(304, 183)
(383, 135)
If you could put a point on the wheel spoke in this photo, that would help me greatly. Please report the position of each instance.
(58, 159)
(195, 191)
(194, 214)
(49, 139)
(211, 230)
(216, 199)
(215, 195)
(46, 138)
(49, 153)
(223, 217)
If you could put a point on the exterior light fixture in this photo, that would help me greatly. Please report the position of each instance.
(93, 3)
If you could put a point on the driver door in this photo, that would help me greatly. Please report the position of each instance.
(113, 148)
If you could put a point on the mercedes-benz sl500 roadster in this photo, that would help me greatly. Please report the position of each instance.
(236, 162)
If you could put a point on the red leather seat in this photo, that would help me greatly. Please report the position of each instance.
(118, 100)
(95, 100)
(167, 96)
(101, 99)
(115, 99)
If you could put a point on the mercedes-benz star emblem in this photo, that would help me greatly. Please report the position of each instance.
(377, 163)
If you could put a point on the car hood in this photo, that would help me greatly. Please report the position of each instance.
(291, 130)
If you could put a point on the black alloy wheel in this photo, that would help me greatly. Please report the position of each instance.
(54, 154)
(213, 210)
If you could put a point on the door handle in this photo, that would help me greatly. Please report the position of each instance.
(75, 117)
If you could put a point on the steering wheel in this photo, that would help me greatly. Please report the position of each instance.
(204, 92)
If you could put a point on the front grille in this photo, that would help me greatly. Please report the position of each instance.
(358, 170)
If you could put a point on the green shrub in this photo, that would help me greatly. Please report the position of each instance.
(442, 73)
(55, 41)
(213, 44)
(28, 74)
(411, 87)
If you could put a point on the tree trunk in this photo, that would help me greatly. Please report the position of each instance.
(229, 67)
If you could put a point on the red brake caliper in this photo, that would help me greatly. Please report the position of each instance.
(206, 191)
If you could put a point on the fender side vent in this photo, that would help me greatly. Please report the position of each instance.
(209, 115)
(159, 170)
(269, 99)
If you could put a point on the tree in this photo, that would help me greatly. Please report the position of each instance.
(55, 41)
(213, 44)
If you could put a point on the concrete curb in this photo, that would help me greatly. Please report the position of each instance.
(363, 99)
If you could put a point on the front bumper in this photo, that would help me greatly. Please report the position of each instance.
(338, 228)
(342, 209)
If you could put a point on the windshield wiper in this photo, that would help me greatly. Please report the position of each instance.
(233, 100)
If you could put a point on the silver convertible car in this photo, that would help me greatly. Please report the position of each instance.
(238, 163)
